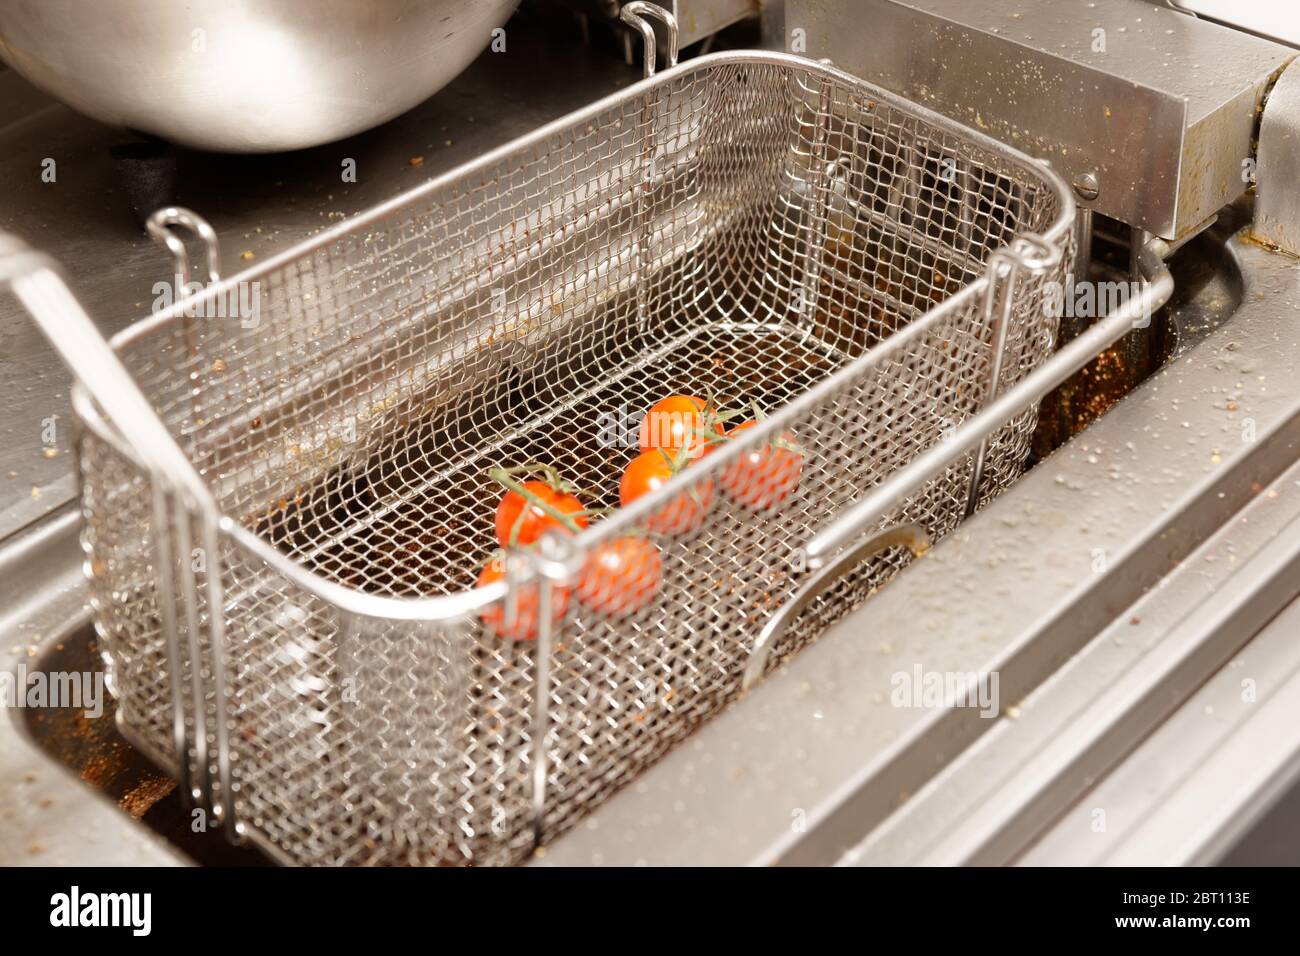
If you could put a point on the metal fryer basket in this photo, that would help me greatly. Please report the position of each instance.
(297, 634)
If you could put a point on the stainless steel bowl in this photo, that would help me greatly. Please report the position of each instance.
(245, 76)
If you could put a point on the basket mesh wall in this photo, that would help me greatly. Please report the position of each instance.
(739, 229)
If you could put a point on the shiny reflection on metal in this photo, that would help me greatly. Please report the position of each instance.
(913, 537)
(1112, 695)
(634, 15)
(259, 77)
(1083, 245)
(1015, 590)
(1037, 80)
(1210, 772)
(1087, 187)
(165, 568)
(51, 817)
(36, 283)
(159, 226)
(1277, 172)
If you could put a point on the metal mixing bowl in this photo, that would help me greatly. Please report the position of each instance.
(245, 76)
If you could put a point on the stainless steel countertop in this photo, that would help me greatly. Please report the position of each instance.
(259, 205)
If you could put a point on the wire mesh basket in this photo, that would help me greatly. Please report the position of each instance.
(288, 594)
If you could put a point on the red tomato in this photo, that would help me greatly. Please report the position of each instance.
(766, 475)
(533, 521)
(621, 576)
(527, 606)
(677, 420)
(650, 471)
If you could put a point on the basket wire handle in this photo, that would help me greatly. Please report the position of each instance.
(911, 536)
(37, 283)
(634, 14)
(160, 228)
(1031, 254)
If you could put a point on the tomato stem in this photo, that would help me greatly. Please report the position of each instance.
(548, 472)
(503, 477)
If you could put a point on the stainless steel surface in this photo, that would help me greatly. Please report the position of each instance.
(259, 77)
(1277, 19)
(1183, 794)
(570, 274)
(989, 805)
(717, 795)
(1277, 173)
(48, 818)
(259, 206)
(802, 769)
(1163, 116)
(700, 19)
(1192, 790)
(34, 279)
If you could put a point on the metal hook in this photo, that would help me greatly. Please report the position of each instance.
(159, 226)
(633, 15)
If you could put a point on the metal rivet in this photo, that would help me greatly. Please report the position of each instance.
(1086, 185)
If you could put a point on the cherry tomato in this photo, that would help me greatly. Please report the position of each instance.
(676, 421)
(621, 576)
(532, 521)
(527, 605)
(650, 471)
(766, 475)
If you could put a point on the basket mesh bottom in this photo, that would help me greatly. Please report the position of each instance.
(425, 523)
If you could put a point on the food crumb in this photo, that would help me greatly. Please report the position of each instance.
(416, 160)
(246, 255)
(50, 452)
